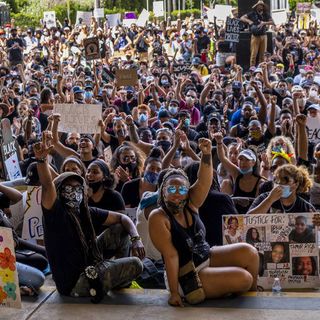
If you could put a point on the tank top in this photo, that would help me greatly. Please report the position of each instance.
(190, 242)
(237, 192)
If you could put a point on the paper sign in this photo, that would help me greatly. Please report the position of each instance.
(91, 48)
(113, 19)
(158, 9)
(287, 246)
(107, 153)
(85, 16)
(132, 214)
(9, 284)
(303, 7)
(32, 222)
(232, 30)
(180, 69)
(81, 118)
(315, 13)
(98, 13)
(13, 167)
(279, 17)
(126, 77)
(128, 22)
(49, 17)
(210, 15)
(143, 18)
(222, 11)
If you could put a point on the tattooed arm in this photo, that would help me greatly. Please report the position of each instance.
(199, 191)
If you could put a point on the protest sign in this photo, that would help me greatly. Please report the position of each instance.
(81, 118)
(232, 30)
(210, 15)
(49, 17)
(32, 222)
(128, 22)
(279, 17)
(126, 77)
(9, 284)
(158, 9)
(10, 162)
(98, 13)
(180, 69)
(303, 7)
(130, 15)
(91, 48)
(85, 16)
(221, 12)
(287, 244)
(113, 19)
(143, 18)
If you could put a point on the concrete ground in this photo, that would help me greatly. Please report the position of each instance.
(135, 304)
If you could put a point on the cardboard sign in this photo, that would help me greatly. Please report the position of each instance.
(279, 17)
(49, 17)
(180, 69)
(113, 19)
(9, 284)
(143, 18)
(210, 15)
(287, 243)
(91, 48)
(128, 22)
(32, 222)
(85, 16)
(222, 12)
(158, 9)
(303, 7)
(98, 13)
(107, 153)
(81, 118)
(126, 77)
(9, 154)
(232, 30)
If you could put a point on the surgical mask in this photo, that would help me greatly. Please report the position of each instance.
(164, 82)
(54, 82)
(301, 102)
(246, 171)
(72, 196)
(187, 123)
(251, 93)
(151, 177)
(143, 118)
(173, 110)
(282, 91)
(313, 93)
(286, 192)
(88, 95)
(95, 186)
(189, 100)
(164, 144)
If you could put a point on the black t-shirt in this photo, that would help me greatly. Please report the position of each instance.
(130, 192)
(114, 143)
(63, 244)
(15, 55)
(4, 201)
(111, 200)
(202, 43)
(300, 205)
(256, 18)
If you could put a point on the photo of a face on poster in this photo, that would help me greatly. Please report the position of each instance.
(233, 232)
(255, 235)
(304, 266)
(302, 232)
(278, 257)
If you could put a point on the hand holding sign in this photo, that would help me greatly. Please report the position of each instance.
(43, 148)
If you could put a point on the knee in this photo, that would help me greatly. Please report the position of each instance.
(137, 265)
(249, 251)
(245, 281)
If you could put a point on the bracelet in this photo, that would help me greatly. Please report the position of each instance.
(42, 160)
(135, 238)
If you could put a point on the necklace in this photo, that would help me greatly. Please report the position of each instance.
(287, 210)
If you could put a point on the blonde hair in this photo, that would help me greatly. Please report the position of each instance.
(287, 142)
(299, 174)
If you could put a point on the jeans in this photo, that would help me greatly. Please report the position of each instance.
(117, 273)
(29, 276)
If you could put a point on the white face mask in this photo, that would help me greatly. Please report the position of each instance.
(301, 102)
(313, 93)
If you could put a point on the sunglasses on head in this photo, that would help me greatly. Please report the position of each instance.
(183, 190)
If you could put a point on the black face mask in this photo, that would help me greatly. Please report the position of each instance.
(73, 146)
(237, 94)
(131, 166)
(95, 186)
(165, 145)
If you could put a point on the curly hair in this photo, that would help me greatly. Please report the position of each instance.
(299, 174)
(272, 143)
(115, 160)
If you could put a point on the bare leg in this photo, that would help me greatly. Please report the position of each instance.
(241, 255)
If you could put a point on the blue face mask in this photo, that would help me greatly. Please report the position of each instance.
(187, 122)
(143, 118)
(286, 192)
(246, 171)
(173, 110)
(151, 177)
(88, 95)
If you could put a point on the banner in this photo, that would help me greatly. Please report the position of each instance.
(49, 17)
(32, 222)
(113, 19)
(232, 30)
(9, 284)
(98, 13)
(143, 18)
(85, 16)
(9, 154)
(180, 69)
(158, 9)
(126, 77)
(91, 48)
(287, 245)
(81, 118)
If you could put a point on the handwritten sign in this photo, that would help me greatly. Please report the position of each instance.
(98, 12)
(143, 18)
(287, 244)
(179, 69)
(126, 77)
(158, 9)
(9, 284)
(85, 16)
(232, 30)
(32, 223)
(91, 48)
(81, 118)
(113, 19)
(49, 17)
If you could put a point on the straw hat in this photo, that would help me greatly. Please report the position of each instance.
(259, 3)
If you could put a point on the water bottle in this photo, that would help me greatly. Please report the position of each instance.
(276, 287)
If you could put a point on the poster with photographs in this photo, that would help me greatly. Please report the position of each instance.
(91, 48)
(287, 245)
(49, 17)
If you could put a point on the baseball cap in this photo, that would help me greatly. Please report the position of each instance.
(77, 89)
(314, 106)
(296, 88)
(196, 60)
(248, 154)
(164, 113)
(236, 85)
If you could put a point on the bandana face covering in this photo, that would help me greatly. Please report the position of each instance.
(72, 195)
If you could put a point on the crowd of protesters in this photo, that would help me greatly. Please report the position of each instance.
(182, 147)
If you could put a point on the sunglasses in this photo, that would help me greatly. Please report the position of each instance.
(183, 190)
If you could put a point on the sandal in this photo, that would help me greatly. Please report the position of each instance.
(28, 291)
